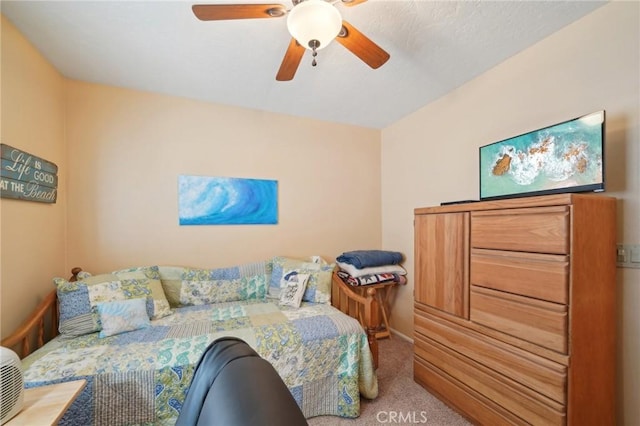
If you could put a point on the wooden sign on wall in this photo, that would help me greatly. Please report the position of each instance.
(27, 177)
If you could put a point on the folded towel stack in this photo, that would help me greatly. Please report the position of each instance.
(370, 258)
(364, 267)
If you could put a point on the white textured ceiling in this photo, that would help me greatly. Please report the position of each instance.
(160, 46)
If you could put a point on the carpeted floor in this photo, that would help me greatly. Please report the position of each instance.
(400, 400)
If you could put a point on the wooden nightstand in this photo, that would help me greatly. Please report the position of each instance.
(45, 405)
(383, 295)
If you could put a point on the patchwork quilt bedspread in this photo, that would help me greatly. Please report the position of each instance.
(141, 377)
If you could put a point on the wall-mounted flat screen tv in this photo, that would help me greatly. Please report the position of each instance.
(564, 157)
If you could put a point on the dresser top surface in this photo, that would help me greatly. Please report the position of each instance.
(514, 203)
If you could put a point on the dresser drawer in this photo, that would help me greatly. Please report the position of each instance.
(475, 406)
(533, 320)
(538, 230)
(540, 374)
(526, 404)
(542, 276)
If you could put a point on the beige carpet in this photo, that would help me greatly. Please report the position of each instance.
(400, 400)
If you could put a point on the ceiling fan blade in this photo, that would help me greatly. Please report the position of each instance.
(291, 60)
(370, 53)
(217, 12)
(352, 2)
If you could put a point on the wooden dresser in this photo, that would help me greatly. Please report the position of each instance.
(515, 308)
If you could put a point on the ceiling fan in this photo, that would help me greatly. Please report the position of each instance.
(313, 24)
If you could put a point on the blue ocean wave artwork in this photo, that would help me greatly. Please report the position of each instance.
(226, 201)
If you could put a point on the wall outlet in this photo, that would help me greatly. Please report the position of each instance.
(628, 255)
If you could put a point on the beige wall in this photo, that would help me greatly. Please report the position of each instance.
(32, 234)
(127, 148)
(593, 64)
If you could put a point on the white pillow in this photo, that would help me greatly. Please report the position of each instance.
(385, 269)
(293, 287)
(121, 316)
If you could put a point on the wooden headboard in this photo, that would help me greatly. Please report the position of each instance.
(40, 327)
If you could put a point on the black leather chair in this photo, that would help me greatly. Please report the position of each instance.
(233, 385)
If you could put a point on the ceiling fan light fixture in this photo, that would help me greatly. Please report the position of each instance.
(313, 20)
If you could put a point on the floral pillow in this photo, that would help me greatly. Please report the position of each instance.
(161, 306)
(78, 300)
(293, 288)
(122, 316)
(318, 288)
(206, 286)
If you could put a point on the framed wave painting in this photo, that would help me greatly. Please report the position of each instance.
(206, 200)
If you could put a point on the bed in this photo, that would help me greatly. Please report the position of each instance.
(323, 353)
